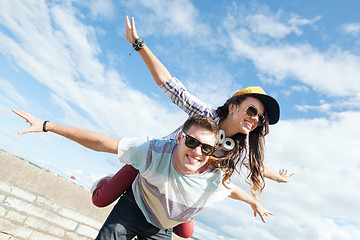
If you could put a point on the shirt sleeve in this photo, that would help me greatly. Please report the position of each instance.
(178, 94)
(134, 151)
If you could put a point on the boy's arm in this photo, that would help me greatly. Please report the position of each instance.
(93, 140)
(158, 71)
(239, 194)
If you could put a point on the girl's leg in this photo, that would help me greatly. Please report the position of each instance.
(108, 190)
(185, 230)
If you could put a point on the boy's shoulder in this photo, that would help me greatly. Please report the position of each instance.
(159, 145)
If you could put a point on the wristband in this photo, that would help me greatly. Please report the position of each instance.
(138, 44)
(44, 126)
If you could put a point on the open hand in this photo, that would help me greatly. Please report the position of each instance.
(36, 124)
(260, 211)
(284, 177)
(130, 32)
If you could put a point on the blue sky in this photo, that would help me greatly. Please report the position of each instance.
(68, 62)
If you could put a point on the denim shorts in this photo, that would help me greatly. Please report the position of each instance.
(126, 221)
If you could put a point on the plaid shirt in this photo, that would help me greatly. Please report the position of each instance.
(178, 94)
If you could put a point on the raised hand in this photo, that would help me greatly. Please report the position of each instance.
(130, 31)
(36, 124)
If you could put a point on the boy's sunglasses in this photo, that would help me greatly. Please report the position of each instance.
(192, 142)
(253, 112)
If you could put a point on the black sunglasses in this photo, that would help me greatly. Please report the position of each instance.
(253, 112)
(192, 142)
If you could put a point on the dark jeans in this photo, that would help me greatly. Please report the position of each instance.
(127, 221)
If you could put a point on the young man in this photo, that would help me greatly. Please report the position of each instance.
(175, 182)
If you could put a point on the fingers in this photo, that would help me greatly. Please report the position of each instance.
(269, 213)
(23, 131)
(127, 22)
(282, 172)
(133, 23)
(130, 33)
(128, 26)
(22, 114)
(291, 176)
(36, 124)
(264, 213)
(262, 216)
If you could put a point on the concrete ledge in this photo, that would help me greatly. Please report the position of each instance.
(41, 183)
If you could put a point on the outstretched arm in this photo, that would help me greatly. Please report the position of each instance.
(280, 177)
(239, 194)
(95, 141)
(156, 68)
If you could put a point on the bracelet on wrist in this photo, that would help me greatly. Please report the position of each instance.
(138, 44)
(44, 126)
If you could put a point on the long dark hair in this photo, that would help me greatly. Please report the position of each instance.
(237, 156)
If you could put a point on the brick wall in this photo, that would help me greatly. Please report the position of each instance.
(27, 216)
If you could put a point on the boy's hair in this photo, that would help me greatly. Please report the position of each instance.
(202, 121)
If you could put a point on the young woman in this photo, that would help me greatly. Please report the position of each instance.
(243, 122)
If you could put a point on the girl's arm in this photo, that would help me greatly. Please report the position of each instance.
(172, 87)
(156, 68)
(280, 177)
(239, 194)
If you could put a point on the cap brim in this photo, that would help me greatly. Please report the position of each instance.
(271, 107)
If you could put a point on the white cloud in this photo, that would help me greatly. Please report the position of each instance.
(168, 18)
(316, 148)
(296, 20)
(101, 8)
(71, 117)
(298, 88)
(63, 54)
(263, 24)
(213, 81)
(322, 108)
(290, 90)
(333, 72)
(271, 25)
(12, 93)
(81, 41)
(352, 28)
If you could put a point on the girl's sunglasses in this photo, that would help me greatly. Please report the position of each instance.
(192, 142)
(253, 112)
